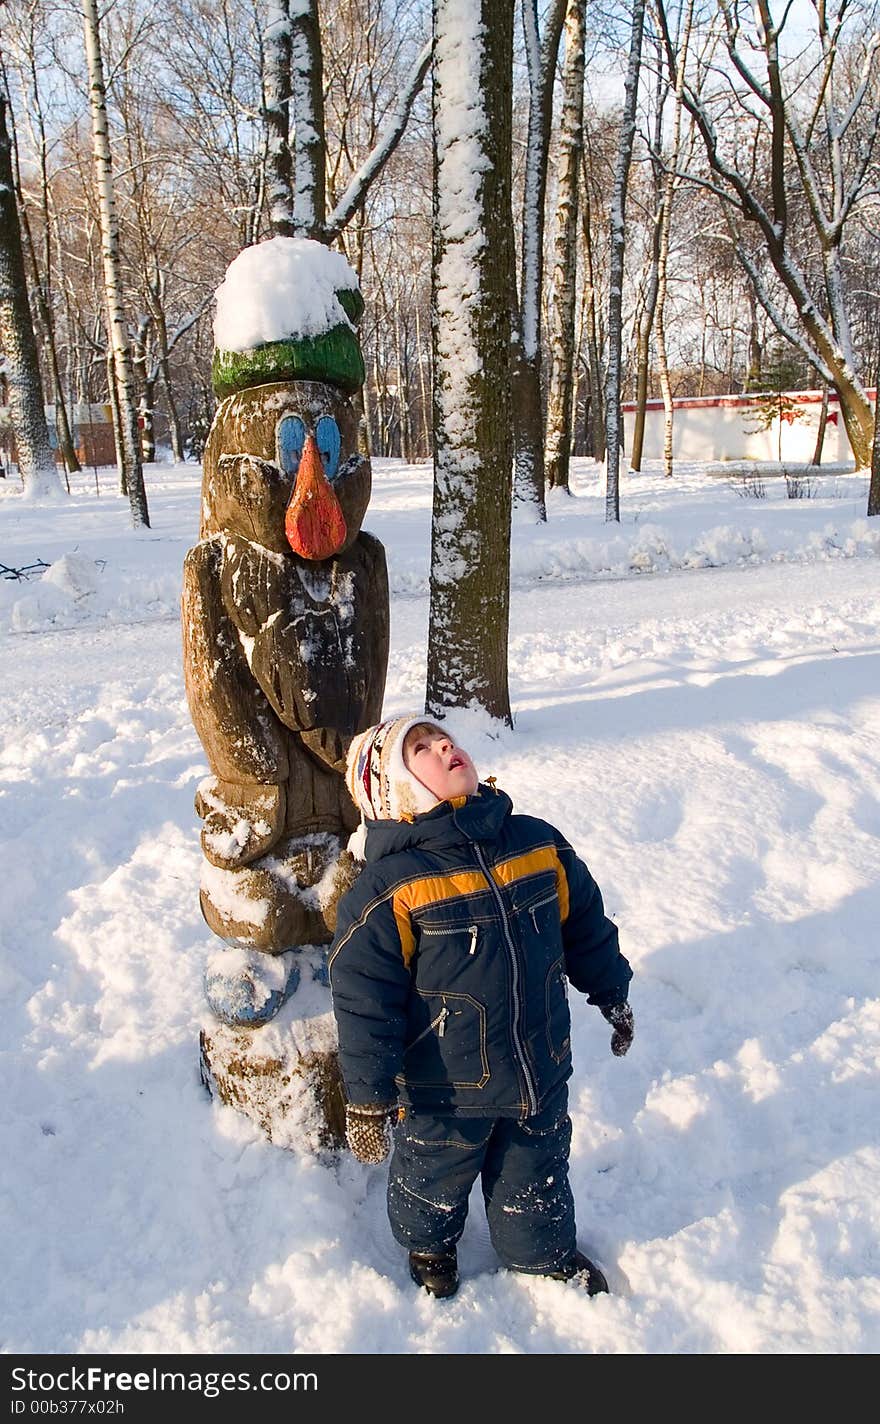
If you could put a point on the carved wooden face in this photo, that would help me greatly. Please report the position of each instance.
(282, 470)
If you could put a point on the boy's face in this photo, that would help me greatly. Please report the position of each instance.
(434, 760)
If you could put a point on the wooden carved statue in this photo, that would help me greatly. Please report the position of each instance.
(285, 619)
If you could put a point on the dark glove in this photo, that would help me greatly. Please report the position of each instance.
(368, 1130)
(620, 1017)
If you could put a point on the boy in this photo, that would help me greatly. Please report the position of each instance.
(448, 973)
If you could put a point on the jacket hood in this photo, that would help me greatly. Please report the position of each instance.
(480, 818)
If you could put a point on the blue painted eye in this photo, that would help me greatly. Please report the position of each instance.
(327, 436)
(291, 439)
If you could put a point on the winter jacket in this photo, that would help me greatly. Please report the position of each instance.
(449, 964)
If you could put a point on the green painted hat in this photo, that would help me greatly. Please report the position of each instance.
(263, 292)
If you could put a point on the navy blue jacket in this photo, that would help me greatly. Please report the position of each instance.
(449, 964)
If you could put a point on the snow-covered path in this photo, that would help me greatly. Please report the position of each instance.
(710, 742)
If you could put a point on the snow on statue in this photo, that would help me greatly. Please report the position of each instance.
(285, 616)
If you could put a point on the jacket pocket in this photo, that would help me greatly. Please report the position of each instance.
(447, 1041)
(459, 934)
(557, 1017)
(536, 910)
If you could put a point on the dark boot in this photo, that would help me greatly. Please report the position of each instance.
(583, 1272)
(437, 1273)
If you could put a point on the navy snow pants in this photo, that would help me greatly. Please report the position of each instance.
(523, 1165)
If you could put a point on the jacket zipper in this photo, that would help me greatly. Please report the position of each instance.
(517, 1041)
(439, 1023)
(532, 908)
(472, 930)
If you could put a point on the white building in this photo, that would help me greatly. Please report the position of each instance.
(736, 428)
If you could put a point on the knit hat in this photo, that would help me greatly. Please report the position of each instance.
(379, 782)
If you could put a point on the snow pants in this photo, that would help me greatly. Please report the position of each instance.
(523, 1166)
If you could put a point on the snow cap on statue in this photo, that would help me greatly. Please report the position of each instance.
(379, 782)
(287, 310)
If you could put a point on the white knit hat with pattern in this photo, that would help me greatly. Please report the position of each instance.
(380, 784)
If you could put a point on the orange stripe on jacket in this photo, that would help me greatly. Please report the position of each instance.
(435, 889)
(529, 863)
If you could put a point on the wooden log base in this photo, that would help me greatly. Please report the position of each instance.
(280, 900)
(285, 1077)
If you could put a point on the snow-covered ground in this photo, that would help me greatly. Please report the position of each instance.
(697, 702)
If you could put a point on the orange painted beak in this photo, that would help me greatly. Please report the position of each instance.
(314, 523)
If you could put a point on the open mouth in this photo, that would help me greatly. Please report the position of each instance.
(456, 761)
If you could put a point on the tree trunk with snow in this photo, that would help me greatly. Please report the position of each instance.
(27, 411)
(141, 364)
(276, 112)
(571, 140)
(643, 354)
(528, 414)
(132, 471)
(307, 93)
(473, 448)
(617, 251)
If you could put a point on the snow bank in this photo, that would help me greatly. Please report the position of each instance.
(709, 743)
(285, 287)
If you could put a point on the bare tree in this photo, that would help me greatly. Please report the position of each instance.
(309, 150)
(670, 187)
(23, 35)
(592, 319)
(132, 472)
(473, 237)
(384, 140)
(648, 302)
(873, 494)
(541, 53)
(27, 412)
(277, 47)
(618, 250)
(562, 340)
(790, 142)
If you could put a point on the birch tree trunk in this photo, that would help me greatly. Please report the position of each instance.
(596, 384)
(649, 309)
(132, 471)
(874, 490)
(473, 447)
(571, 142)
(541, 61)
(669, 190)
(823, 425)
(276, 112)
(307, 92)
(618, 244)
(27, 411)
